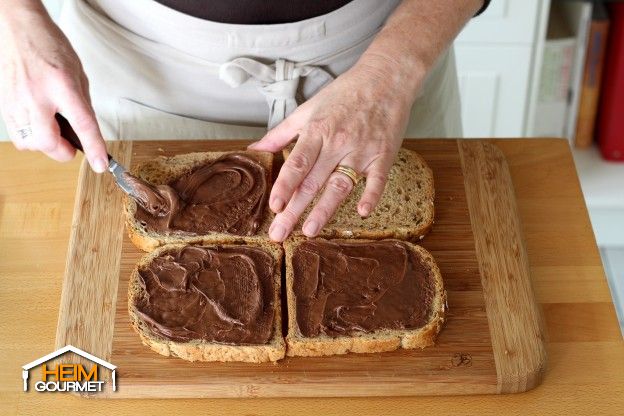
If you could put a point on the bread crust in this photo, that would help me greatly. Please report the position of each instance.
(162, 170)
(378, 341)
(347, 226)
(211, 351)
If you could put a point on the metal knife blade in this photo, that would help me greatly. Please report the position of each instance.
(118, 171)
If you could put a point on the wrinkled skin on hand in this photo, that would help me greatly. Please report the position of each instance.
(358, 121)
(40, 75)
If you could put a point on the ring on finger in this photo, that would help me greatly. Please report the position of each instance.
(24, 132)
(349, 172)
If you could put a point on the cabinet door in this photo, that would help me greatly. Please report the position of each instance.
(493, 83)
(504, 21)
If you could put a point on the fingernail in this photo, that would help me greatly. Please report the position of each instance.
(277, 205)
(99, 165)
(310, 228)
(365, 209)
(277, 233)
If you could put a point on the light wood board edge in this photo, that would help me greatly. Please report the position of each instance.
(332, 388)
(87, 307)
(514, 318)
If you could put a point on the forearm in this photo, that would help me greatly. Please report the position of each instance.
(414, 37)
(17, 15)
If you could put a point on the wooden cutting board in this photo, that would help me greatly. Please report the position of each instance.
(492, 341)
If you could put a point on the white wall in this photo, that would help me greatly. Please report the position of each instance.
(53, 6)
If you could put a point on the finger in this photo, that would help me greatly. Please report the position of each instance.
(337, 189)
(286, 220)
(376, 178)
(294, 170)
(76, 109)
(84, 84)
(46, 137)
(279, 136)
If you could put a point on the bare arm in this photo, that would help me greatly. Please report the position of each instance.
(40, 75)
(359, 119)
(415, 36)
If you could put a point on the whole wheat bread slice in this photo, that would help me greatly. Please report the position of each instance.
(404, 212)
(163, 170)
(378, 341)
(199, 350)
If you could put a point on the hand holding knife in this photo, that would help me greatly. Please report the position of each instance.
(119, 172)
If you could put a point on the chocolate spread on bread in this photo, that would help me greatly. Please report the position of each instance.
(157, 200)
(222, 294)
(227, 195)
(342, 287)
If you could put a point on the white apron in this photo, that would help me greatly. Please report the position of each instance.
(156, 73)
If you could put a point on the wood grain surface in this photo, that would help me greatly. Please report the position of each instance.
(585, 373)
(491, 342)
(513, 316)
(89, 294)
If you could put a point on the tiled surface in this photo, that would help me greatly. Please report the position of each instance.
(613, 259)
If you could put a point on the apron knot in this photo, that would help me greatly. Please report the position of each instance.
(278, 82)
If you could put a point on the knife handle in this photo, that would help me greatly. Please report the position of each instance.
(68, 133)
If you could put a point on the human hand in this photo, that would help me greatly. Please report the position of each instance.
(41, 75)
(357, 121)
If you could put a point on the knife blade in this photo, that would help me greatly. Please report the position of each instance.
(119, 171)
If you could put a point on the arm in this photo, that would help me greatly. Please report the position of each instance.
(416, 34)
(359, 119)
(40, 75)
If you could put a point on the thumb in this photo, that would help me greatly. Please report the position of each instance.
(279, 136)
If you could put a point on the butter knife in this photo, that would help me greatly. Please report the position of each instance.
(119, 172)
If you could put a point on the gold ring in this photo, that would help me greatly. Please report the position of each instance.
(350, 172)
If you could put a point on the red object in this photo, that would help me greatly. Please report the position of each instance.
(610, 128)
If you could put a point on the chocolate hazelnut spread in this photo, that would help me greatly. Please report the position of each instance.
(222, 294)
(227, 195)
(157, 200)
(342, 287)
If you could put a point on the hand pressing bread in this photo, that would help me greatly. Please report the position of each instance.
(405, 209)
(356, 121)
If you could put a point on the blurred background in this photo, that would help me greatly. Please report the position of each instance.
(550, 68)
(555, 68)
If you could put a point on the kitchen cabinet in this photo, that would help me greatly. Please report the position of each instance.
(494, 87)
(498, 60)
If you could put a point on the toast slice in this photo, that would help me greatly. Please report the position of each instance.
(164, 170)
(358, 341)
(405, 211)
(200, 349)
